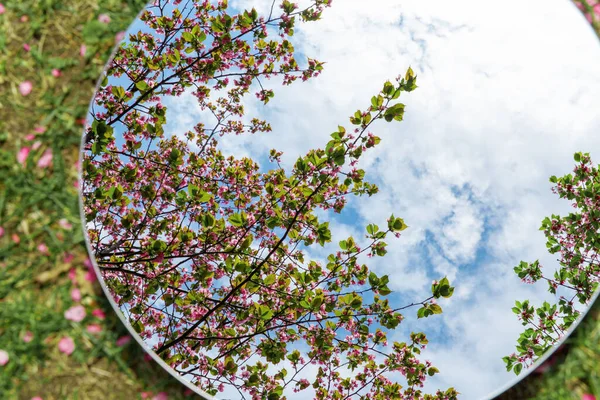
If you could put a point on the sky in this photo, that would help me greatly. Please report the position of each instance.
(506, 95)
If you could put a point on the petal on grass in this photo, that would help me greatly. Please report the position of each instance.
(66, 345)
(75, 313)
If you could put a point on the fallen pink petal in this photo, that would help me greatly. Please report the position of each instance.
(30, 137)
(39, 129)
(36, 145)
(161, 396)
(2, 9)
(22, 155)
(72, 273)
(1, 231)
(3, 357)
(119, 36)
(36, 398)
(55, 73)
(28, 337)
(94, 328)
(104, 18)
(75, 313)
(66, 345)
(123, 340)
(15, 238)
(64, 223)
(76, 294)
(98, 313)
(588, 396)
(26, 47)
(42, 248)
(46, 160)
(25, 88)
(82, 50)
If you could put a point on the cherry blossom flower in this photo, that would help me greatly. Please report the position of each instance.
(28, 337)
(94, 328)
(98, 313)
(66, 345)
(22, 155)
(42, 248)
(75, 313)
(104, 18)
(123, 340)
(3, 357)
(161, 396)
(45, 160)
(76, 294)
(64, 223)
(25, 88)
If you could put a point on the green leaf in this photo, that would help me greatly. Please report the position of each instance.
(436, 309)
(269, 280)
(236, 220)
(518, 368)
(142, 86)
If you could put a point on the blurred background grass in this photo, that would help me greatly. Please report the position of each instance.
(51, 54)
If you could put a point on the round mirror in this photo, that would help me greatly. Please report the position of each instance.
(340, 200)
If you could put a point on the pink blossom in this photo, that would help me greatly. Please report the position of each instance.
(1, 231)
(25, 88)
(2, 9)
(15, 238)
(94, 328)
(75, 313)
(104, 18)
(147, 357)
(42, 248)
(46, 160)
(91, 274)
(40, 129)
(28, 337)
(161, 396)
(3, 357)
(30, 137)
(24, 18)
(64, 223)
(22, 155)
(36, 145)
(76, 294)
(98, 313)
(72, 275)
(66, 345)
(82, 50)
(26, 47)
(119, 36)
(55, 73)
(588, 396)
(123, 340)
(36, 398)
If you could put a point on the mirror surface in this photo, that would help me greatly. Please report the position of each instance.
(186, 240)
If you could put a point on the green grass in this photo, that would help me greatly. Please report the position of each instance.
(35, 288)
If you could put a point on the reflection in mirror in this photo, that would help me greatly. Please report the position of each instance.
(328, 201)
